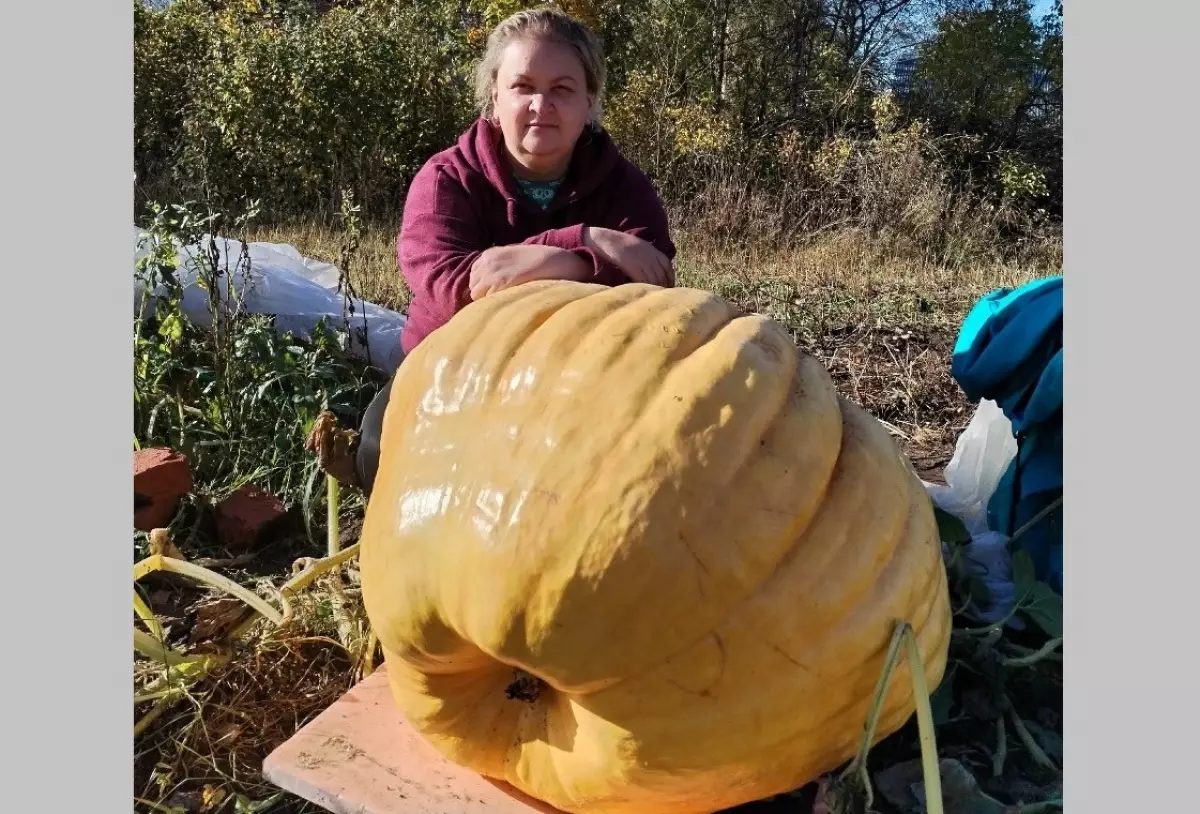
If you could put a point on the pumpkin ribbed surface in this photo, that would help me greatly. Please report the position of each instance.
(629, 551)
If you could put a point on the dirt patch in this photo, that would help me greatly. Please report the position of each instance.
(901, 375)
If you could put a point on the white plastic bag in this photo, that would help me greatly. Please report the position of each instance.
(299, 291)
(981, 456)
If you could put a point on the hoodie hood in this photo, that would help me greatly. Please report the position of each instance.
(480, 150)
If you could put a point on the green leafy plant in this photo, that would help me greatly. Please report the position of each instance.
(235, 395)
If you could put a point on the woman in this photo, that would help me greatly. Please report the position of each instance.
(534, 190)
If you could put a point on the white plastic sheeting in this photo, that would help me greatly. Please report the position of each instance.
(298, 290)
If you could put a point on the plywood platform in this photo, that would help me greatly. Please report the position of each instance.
(361, 757)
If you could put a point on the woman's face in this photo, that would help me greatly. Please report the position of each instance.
(542, 103)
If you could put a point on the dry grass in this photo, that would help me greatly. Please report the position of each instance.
(211, 748)
(840, 271)
(206, 753)
(374, 269)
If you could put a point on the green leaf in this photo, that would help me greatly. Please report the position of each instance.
(1044, 608)
(171, 327)
(950, 528)
(961, 793)
(903, 786)
(1038, 601)
(941, 700)
(1023, 571)
(244, 805)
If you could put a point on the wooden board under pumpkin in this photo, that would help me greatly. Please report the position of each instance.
(360, 756)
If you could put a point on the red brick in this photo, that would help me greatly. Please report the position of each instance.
(247, 516)
(161, 477)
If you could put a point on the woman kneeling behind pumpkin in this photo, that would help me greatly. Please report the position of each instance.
(535, 189)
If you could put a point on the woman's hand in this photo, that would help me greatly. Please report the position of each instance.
(502, 267)
(638, 258)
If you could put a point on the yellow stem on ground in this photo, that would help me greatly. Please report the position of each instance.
(929, 757)
(305, 577)
(1023, 734)
(146, 615)
(169, 692)
(902, 634)
(153, 715)
(333, 491)
(153, 648)
(858, 767)
(1045, 651)
(157, 562)
(196, 667)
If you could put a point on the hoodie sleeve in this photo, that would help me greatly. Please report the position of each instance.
(635, 209)
(571, 239)
(439, 241)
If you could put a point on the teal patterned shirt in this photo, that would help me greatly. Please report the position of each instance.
(539, 192)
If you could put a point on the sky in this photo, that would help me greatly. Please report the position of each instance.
(1041, 8)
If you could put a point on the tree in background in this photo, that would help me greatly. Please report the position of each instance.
(791, 106)
(992, 73)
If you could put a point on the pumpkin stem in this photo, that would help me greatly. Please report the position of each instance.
(930, 765)
(524, 687)
(856, 770)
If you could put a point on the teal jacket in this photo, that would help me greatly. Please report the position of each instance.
(1010, 350)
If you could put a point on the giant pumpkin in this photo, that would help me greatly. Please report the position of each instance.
(629, 551)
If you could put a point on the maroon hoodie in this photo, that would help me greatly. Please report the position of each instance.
(466, 199)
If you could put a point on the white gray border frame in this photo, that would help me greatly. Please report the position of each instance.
(65, 69)
(1131, 449)
(1131, 443)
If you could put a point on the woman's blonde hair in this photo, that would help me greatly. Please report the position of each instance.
(549, 24)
